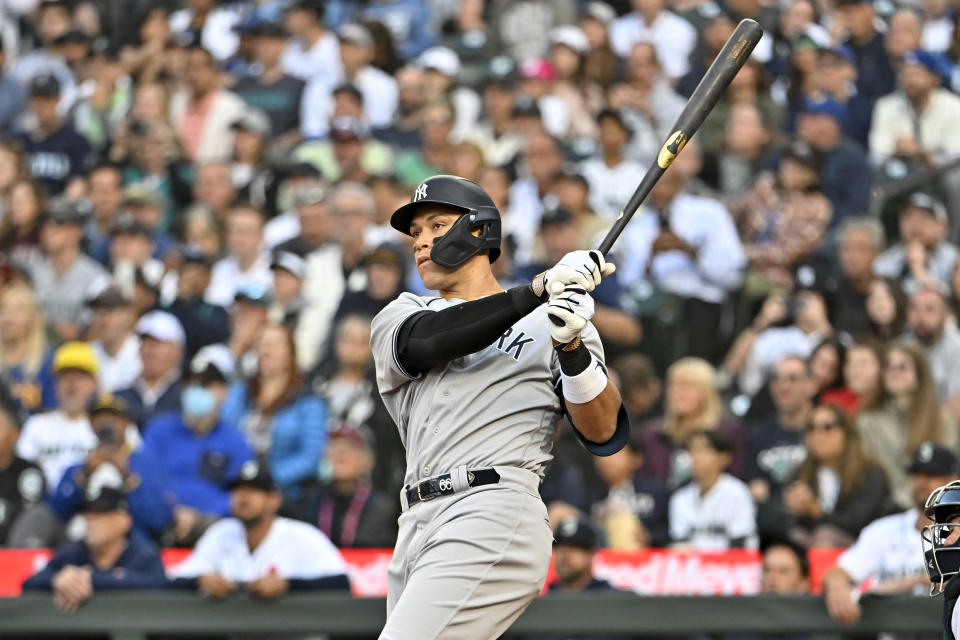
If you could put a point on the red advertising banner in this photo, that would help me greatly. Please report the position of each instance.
(652, 572)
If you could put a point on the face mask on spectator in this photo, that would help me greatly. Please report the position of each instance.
(198, 402)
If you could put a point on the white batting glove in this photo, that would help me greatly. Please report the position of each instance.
(584, 269)
(569, 312)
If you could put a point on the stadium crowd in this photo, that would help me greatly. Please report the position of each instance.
(194, 237)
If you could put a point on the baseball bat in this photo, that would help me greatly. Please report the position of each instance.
(728, 62)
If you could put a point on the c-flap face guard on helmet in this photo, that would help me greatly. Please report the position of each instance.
(458, 244)
(942, 560)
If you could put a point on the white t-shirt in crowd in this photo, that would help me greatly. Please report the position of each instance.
(291, 550)
(226, 279)
(119, 371)
(611, 187)
(888, 548)
(712, 521)
(673, 37)
(55, 442)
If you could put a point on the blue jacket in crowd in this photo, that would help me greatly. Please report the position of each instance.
(168, 401)
(138, 567)
(198, 467)
(297, 440)
(150, 505)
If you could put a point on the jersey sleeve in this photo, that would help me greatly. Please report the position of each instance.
(203, 559)
(316, 557)
(862, 560)
(383, 340)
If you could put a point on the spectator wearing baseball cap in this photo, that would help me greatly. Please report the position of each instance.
(923, 256)
(288, 272)
(158, 388)
(56, 439)
(258, 552)
(147, 207)
(272, 90)
(836, 75)
(441, 69)
(119, 454)
(918, 119)
(608, 172)
(845, 175)
(203, 323)
(575, 544)
(113, 339)
(886, 552)
(109, 558)
(65, 276)
(55, 153)
(254, 177)
(875, 75)
(348, 508)
(198, 451)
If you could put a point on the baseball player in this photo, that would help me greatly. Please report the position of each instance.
(477, 380)
(941, 549)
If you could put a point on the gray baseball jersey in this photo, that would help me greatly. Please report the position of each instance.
(496, 407)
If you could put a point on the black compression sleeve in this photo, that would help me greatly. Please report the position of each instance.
(431, 338)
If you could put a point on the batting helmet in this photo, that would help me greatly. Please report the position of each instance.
(941, 553)
(458, 244)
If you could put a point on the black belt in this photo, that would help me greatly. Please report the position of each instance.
(443, 485)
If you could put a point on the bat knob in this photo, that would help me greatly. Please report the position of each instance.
(556, 288)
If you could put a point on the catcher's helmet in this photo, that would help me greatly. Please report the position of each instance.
(458, 244)
(942, 557)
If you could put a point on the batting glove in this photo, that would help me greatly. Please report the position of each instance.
(584, 269)
(569, 312)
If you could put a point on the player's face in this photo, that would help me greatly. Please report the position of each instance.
(571, 562)
(426, 226)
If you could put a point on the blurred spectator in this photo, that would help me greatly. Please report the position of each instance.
(651, 21)
(203, 323)
(62, 436)
(203, 22)
(910, 416)
(256, 551)
(860, 241)
(686, 245)
(785, 325)
(916, 121)
(248, 316)
(786, 567)
(25, 359)
(875, 75)
(203, 111)
(313, 51)
(886, 552)
(521, 29)
(863, 376)
(569, 47)
(109, 558)
(639, 386)
(575, 544)
(113, 339)
(838, 489)
(494, 132)
(415, 166)
(288, 270)
(213, 189)
(783, 218)
(14, 101)
(157, 389)
(845, 176)
(313, 217)
(348, 508)
(826, 368)
(692, 404)
(837, 77)
(542, 160)
(886, 309)
(352, 399)
(747, 139)
(441, 68)
(254, 179)
(537, 80)
(714, 511)
(246, 263)
(632, 509)
(386, 278)
(65, 277)
(775, 446)
(21, 482)
(931, 324)
(285, 424)
(54, 151)
(22, 223)
(609, 175)
(272, 90)
(105, 191)
(119, 455)
(197, 451)
(649, 104)
(923, 257)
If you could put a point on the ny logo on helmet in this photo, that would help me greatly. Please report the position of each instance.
(421, 192)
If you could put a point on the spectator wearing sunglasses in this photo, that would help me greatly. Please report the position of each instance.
(838, 489)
